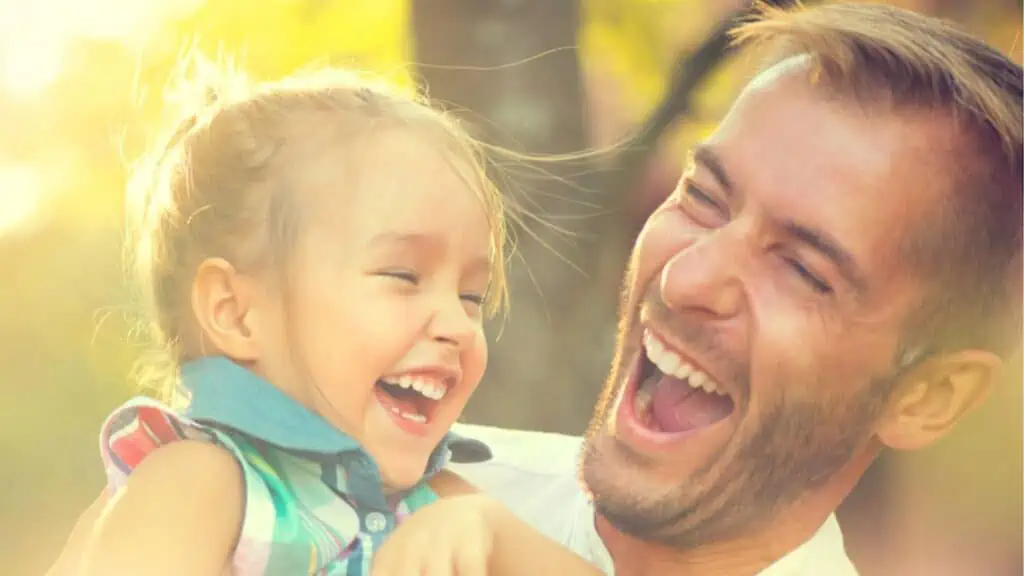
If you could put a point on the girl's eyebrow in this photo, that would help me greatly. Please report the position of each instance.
(414, 242)
(480, 265)
(403, 238)
(429, 243)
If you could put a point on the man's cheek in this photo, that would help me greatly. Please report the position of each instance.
(665, 236)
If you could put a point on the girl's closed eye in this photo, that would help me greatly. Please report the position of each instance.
(402, 275)
(472, 298)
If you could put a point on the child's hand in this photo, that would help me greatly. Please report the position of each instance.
(451, 537)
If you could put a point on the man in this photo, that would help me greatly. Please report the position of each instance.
(838, 272)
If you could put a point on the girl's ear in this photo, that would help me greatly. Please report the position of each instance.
(221, 303)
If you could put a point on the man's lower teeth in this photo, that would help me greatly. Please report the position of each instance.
(642, 400)
(413, 417)
(642, 396)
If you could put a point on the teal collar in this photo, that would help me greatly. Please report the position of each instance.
(227, 395)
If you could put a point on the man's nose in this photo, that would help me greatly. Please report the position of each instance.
(705, 277)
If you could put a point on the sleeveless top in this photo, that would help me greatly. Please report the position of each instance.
(314, 501)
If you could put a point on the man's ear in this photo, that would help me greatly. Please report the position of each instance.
(221, 302)
(934, 397)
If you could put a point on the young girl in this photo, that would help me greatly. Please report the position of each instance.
(320, 253)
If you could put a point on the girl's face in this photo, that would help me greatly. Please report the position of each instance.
(381, 319)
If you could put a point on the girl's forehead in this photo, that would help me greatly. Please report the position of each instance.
(401, 182)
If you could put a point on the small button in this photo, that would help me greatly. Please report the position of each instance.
(375, 522)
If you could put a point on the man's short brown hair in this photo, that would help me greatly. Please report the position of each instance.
(971, 250)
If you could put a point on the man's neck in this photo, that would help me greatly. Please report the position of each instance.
(743, 556)
(739, 557)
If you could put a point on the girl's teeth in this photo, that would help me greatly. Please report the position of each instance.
(420, 418)
(411, 416)
(427, 388)
(430, 389)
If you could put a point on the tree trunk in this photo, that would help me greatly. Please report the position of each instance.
(550, 357)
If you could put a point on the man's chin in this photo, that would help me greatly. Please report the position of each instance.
(627, 500)
(611, 471)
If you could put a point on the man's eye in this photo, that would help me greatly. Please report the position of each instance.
(816, 283)
(699, 196)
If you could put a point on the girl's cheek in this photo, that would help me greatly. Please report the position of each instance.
(475, 364)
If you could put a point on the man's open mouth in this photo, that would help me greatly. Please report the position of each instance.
(674, 396)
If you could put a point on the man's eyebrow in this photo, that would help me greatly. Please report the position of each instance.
(705, 156)
(831, 249)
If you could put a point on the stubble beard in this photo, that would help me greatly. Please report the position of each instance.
(794, 447)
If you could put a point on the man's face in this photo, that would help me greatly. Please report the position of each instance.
(761, 329)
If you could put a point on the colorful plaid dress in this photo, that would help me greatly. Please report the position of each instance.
(314, 502)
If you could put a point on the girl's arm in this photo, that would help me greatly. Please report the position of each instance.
(517, 549)
(70, 557)
(521, 550)
(180, 512)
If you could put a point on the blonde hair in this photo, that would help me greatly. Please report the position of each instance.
(215, 187)
(882, 55)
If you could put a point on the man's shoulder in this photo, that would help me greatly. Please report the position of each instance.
(831, 549)
(520, 461)
(825, 549)
(528, 452)
(533, 473)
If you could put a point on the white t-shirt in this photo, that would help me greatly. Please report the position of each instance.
(534, 474)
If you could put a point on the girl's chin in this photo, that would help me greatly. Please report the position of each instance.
(401, 456)
(401, 477)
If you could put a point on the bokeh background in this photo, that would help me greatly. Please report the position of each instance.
(82, 87)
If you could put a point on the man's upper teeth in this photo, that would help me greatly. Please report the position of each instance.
(671, 363)
(426, 386)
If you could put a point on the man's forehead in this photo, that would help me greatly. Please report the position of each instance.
(866, 179)
(798, 66)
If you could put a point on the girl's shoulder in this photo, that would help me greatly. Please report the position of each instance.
(140, 427)
(290, 515)
(176, 500)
